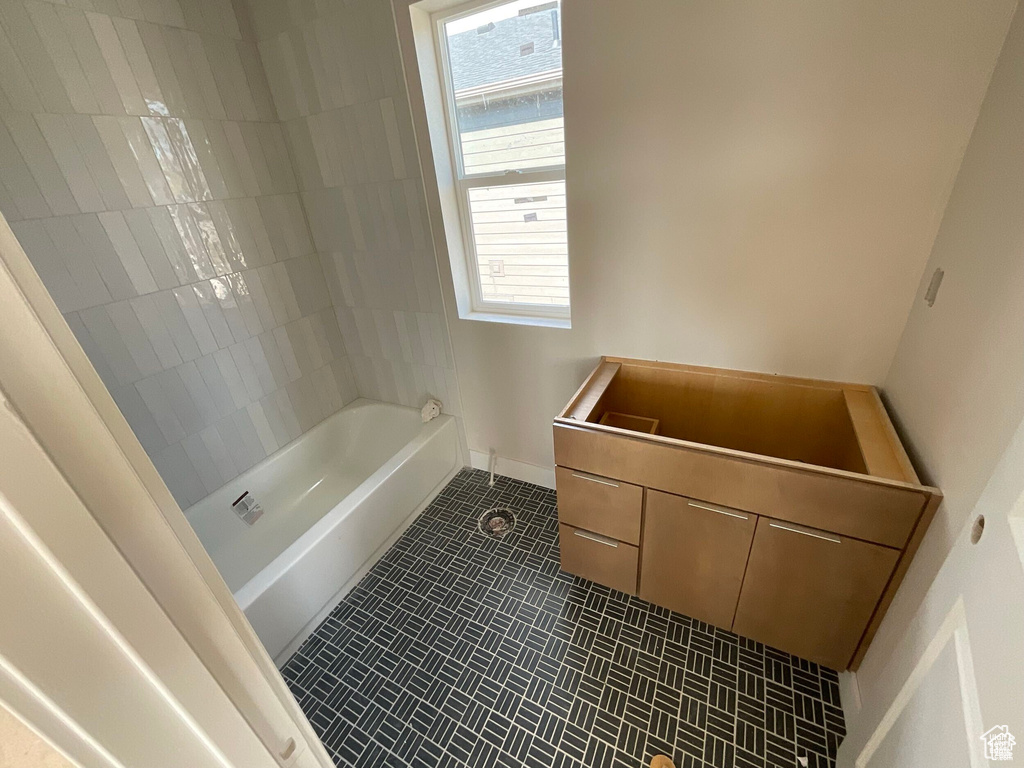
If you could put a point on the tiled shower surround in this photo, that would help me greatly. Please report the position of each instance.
(335, 73)
(146, 176)
(144, 169)
(461, 650)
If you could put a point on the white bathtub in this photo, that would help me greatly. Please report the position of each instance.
(331, 499)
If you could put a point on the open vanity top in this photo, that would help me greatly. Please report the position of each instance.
(777, 419)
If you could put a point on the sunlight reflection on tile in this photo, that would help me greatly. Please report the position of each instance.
(192, 240)
(169, 162)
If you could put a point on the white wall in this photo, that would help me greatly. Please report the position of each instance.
(956, 384)
(957, 670)
(957, 380)
(751, 185)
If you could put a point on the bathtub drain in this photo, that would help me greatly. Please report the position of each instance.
(497, 521)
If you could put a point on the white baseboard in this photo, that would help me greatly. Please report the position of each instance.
(517, 470)
(289, 650)
(849, 692)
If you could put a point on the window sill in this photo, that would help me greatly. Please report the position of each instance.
(511, 319)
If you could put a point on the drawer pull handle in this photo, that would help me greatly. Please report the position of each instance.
(805, 533)
(596, 538)
(719, 510)
(595, 480)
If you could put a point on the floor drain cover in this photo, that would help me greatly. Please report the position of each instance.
(497, 521)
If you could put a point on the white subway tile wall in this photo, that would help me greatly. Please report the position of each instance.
(336, 80)
(145, 171)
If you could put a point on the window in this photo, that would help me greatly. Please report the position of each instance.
(500, 69)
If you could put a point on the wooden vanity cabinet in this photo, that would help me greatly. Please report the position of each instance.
(811, 592)
(784, 509)
(694, 556)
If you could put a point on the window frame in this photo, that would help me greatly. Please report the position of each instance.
(480, 308)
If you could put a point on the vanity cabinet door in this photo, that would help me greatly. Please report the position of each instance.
(809, 592)
(694, 555)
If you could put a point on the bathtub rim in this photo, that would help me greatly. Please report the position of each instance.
(291, 445)
(267, 576)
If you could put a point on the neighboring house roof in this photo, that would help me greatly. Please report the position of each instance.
(483, 56)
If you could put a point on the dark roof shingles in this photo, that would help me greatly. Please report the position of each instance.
(480, 58)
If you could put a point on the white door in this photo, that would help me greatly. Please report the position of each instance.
(85, 648)
(958, 672)
(117, 635)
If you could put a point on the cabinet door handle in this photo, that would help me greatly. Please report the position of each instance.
(805, 533)
(719, 510)
(595, 480)
(596, 538)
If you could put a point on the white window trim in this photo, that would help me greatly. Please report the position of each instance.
(431, 49)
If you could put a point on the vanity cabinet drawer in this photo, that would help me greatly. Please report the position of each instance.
(811, 592)
(599, 504)
(694, 556)
(598, 558)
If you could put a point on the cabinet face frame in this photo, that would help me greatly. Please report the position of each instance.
(874, 512)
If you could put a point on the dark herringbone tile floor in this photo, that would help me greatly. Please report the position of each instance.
(461, 650)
